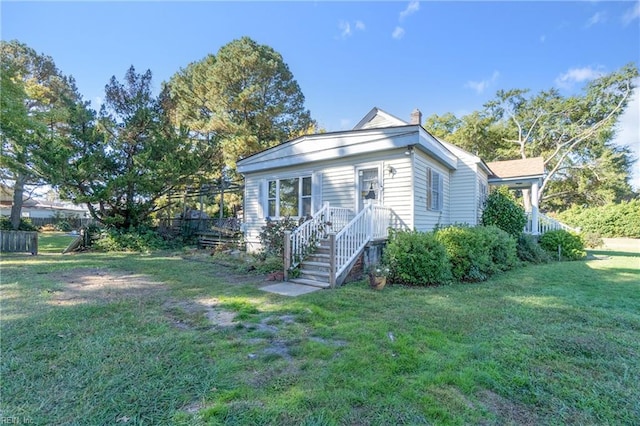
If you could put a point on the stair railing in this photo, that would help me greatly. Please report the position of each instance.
(545, 224)
(302, 240)
(371, 223)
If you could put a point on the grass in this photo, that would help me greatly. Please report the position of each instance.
(196, 344)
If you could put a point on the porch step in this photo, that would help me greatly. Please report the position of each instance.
(322, 249)
(313, 283)
(318, 257)
(314, 275)
(315, 266)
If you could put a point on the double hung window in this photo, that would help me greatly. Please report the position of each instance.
(289, 197)
(435, 191)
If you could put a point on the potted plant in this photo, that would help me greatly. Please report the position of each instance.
(378, 276)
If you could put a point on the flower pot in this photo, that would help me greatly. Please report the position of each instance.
(377, 283)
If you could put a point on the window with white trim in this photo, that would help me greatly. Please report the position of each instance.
(289, 197)
(482, 197)
(435, 190)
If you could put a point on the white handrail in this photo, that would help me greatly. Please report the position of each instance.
(306, 235)
(546, 223)
(371, 223)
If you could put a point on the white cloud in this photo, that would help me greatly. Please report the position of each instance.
(398, 33)
(597, 18)
(345, 29)
(577, 75)
(412, 7)
(543, 38)
(631, 14)
(481, 86)
(628, 133)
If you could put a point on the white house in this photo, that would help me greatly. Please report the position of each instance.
(358, 183)
(35, 208)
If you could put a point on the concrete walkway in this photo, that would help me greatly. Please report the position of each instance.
(289, 289)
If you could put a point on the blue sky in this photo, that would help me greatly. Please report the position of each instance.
(350, 56)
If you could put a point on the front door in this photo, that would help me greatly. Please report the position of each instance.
(368, 186)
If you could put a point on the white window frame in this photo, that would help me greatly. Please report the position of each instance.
(301, 197)
(483, 193)
(435, 190)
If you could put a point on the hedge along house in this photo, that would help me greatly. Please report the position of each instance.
(385, 173)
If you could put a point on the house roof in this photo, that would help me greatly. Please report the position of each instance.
(517, 169)
(461, 153)
(377, 131)
(377, 118)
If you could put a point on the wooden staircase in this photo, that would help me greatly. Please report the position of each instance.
(314, 270)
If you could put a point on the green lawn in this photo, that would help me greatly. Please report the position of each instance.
(177, 339)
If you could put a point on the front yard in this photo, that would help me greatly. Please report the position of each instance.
(173, 338)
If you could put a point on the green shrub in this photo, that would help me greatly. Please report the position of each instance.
(529, 250)
(416, 258)
(140, 239)
(610, 221)
(571, 245)
(269, 264)
(25, 224)
(63, 226)
(501, 246)
(592, 240)
(272, 235)
(465, 249)
(478, 252)
(502, 210)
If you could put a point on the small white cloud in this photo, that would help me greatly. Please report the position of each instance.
(412, 7)
(631, 14)
(577, 75)
(398, 33)
(543, 38)
(597, 18)
(345, 29)
(481, 86)
(97, 102)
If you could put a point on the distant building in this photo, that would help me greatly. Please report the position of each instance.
(35, 208)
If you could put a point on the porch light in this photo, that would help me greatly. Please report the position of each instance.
(409, 150)
(392, 170)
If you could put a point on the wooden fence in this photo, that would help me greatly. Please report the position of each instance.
(19, 242)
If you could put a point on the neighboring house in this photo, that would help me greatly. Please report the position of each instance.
(389, 172)
(40, 209)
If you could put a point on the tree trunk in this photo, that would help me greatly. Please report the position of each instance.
(16, 208)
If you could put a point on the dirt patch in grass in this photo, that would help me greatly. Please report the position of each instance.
(88, 285)
(199, 313)
(507, 412)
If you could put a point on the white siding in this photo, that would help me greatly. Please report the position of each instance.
(338, 186)
(253, 214)
(398, 187)
(425, 219)
(464, 194)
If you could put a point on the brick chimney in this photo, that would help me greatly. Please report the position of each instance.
(416, 117)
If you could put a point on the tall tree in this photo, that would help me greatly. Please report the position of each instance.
(573, 134)
(243, 100)
(568, 132)
(130, 156)
(35, 96)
